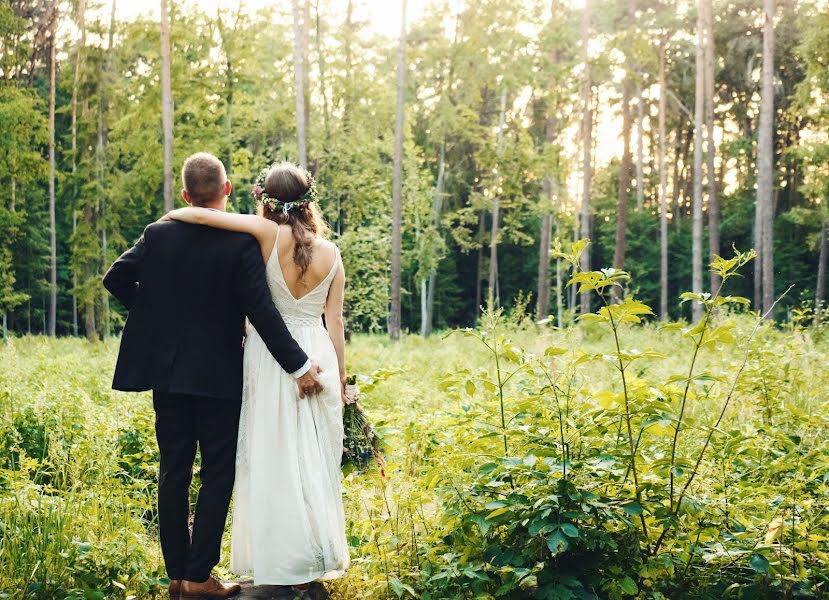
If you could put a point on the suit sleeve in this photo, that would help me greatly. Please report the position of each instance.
(255, 299)
(122, 278)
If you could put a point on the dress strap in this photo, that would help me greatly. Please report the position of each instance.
(336, 264)
(275, 251)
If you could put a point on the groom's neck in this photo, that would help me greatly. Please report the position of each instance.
(216, 205)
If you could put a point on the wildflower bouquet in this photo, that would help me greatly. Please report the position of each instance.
(361, 444)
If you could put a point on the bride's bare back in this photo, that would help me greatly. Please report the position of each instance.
(323, 256)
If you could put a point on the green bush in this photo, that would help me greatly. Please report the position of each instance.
(520, 462)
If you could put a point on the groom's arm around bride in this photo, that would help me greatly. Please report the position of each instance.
(188, 289)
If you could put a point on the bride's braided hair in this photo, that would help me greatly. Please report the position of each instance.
(293, 186)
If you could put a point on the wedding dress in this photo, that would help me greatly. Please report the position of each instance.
(288, 520)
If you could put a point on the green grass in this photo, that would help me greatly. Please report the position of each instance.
(457, 516)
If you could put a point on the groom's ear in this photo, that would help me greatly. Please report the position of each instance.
(228, 188)
(186, 197)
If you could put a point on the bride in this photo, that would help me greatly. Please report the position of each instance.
(288, 520)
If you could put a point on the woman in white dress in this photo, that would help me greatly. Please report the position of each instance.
(288, 520)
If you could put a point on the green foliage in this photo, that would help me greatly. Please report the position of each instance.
(509, 467)
(614, 460)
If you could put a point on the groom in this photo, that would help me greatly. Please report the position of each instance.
(188, 289)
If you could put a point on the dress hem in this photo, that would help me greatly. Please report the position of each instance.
(321, 576)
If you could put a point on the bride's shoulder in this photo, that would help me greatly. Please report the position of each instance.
(327, 248)
(284, 233)
(328, 245)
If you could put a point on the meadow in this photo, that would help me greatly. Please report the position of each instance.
(612, 459)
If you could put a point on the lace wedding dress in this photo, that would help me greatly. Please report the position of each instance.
(288, 520)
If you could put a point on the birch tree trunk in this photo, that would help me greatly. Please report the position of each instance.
(587, 140)
(663, 191)
(428, 284)
(227, 38)
(166, 107)
(624, 186)
(397, 183)
(543, 304)
(104, 141)
(640, 149)
(306, 60)
(696, 224)
(820, 288)
(349, 68)
(542, 308)
(299, 84)
(480, 265)
(53, 255)
(321, 66)
(711, 146)
(492, 292)
(765, 156)
(74, 128)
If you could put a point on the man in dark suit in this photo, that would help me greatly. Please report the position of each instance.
(188, 289)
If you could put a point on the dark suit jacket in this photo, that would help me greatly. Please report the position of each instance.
(188, 289)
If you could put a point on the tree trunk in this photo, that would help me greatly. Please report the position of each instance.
(89, 301)
(757, 235)
(428, 283)
(104, 141)
(542, 309)
(765, 156)
(640, 149)
(74, 127)
(680, 155)
(227, 38)
(663, 191)
(306, 60)
(480, 265)
(696, 229)
(321, 66)
(53, 254)
(166, 107)
(624, 185)
(492, 290)
(820, 288)
(587, 139)
(559, 291)
(397, 184)
(711, 147)
(349, 26)
(5, 311)
(299, 82)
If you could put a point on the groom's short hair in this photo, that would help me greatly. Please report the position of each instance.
(203, 177)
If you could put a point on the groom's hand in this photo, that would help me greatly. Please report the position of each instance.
(309, 384)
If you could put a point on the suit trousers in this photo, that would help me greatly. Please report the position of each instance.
(182, 424)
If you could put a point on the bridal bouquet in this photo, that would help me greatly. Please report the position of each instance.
(361, 444)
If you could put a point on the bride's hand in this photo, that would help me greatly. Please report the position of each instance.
(342, 390)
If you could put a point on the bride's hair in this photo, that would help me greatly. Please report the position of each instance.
(289, 183)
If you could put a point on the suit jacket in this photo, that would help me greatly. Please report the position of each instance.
(188, 289)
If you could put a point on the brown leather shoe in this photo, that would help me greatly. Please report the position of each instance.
(174, 588)
(212, 588)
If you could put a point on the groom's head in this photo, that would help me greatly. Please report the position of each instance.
(204, 180)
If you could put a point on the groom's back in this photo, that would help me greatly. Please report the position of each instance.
(184, 331)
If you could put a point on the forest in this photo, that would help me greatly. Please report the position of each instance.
(467, 142)
(585, 245)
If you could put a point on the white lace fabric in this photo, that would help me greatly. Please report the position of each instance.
(288, 519)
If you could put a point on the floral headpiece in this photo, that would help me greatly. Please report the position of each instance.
(260, 195)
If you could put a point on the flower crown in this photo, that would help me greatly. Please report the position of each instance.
(260, 195)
